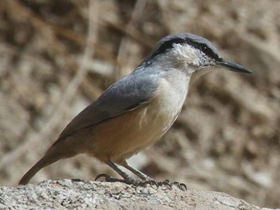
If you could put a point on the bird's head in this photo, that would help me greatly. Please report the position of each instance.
(189, 52)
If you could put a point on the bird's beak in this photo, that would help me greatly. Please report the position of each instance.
(233, 66)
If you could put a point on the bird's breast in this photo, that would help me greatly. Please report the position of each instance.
(123, 136)
(171, 94)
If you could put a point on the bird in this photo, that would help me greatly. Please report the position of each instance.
(139, 109)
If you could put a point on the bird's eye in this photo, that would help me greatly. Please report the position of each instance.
(209, 52)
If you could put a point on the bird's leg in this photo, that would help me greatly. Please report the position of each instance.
(146, 179)
(136, 172)
(126, 178)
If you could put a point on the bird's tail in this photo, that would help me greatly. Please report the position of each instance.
(45, 161)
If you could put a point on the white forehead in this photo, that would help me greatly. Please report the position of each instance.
(187, 53)
(182, 57)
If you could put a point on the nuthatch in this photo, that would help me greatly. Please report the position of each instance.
(137, 110)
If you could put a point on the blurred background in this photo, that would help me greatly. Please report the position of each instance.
(58, 56)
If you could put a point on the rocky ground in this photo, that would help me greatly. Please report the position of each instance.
(57, 56)
(67, 194)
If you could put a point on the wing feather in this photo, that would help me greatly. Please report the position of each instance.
(123, 96)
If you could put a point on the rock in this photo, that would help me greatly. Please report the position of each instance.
(69, 194)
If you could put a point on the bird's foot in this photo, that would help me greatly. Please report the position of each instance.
(169, 184)
(128, 180)
(77, 180)
(137, 182)
(108, 178)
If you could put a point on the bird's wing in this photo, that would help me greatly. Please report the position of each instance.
(123, 96)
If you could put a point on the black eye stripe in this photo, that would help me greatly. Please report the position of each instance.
(167, 45)
(204, 48)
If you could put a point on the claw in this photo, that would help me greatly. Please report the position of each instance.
(183, 187)
(152, 183)
(177, 184)
(166, 183)
(169, 185)
(77, 180)
(101, 175)
(108, 178)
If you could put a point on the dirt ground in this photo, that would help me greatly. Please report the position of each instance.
(58, 56)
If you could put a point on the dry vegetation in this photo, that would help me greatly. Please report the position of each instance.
(57, 56)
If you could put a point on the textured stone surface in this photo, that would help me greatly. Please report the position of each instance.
(68, 194)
